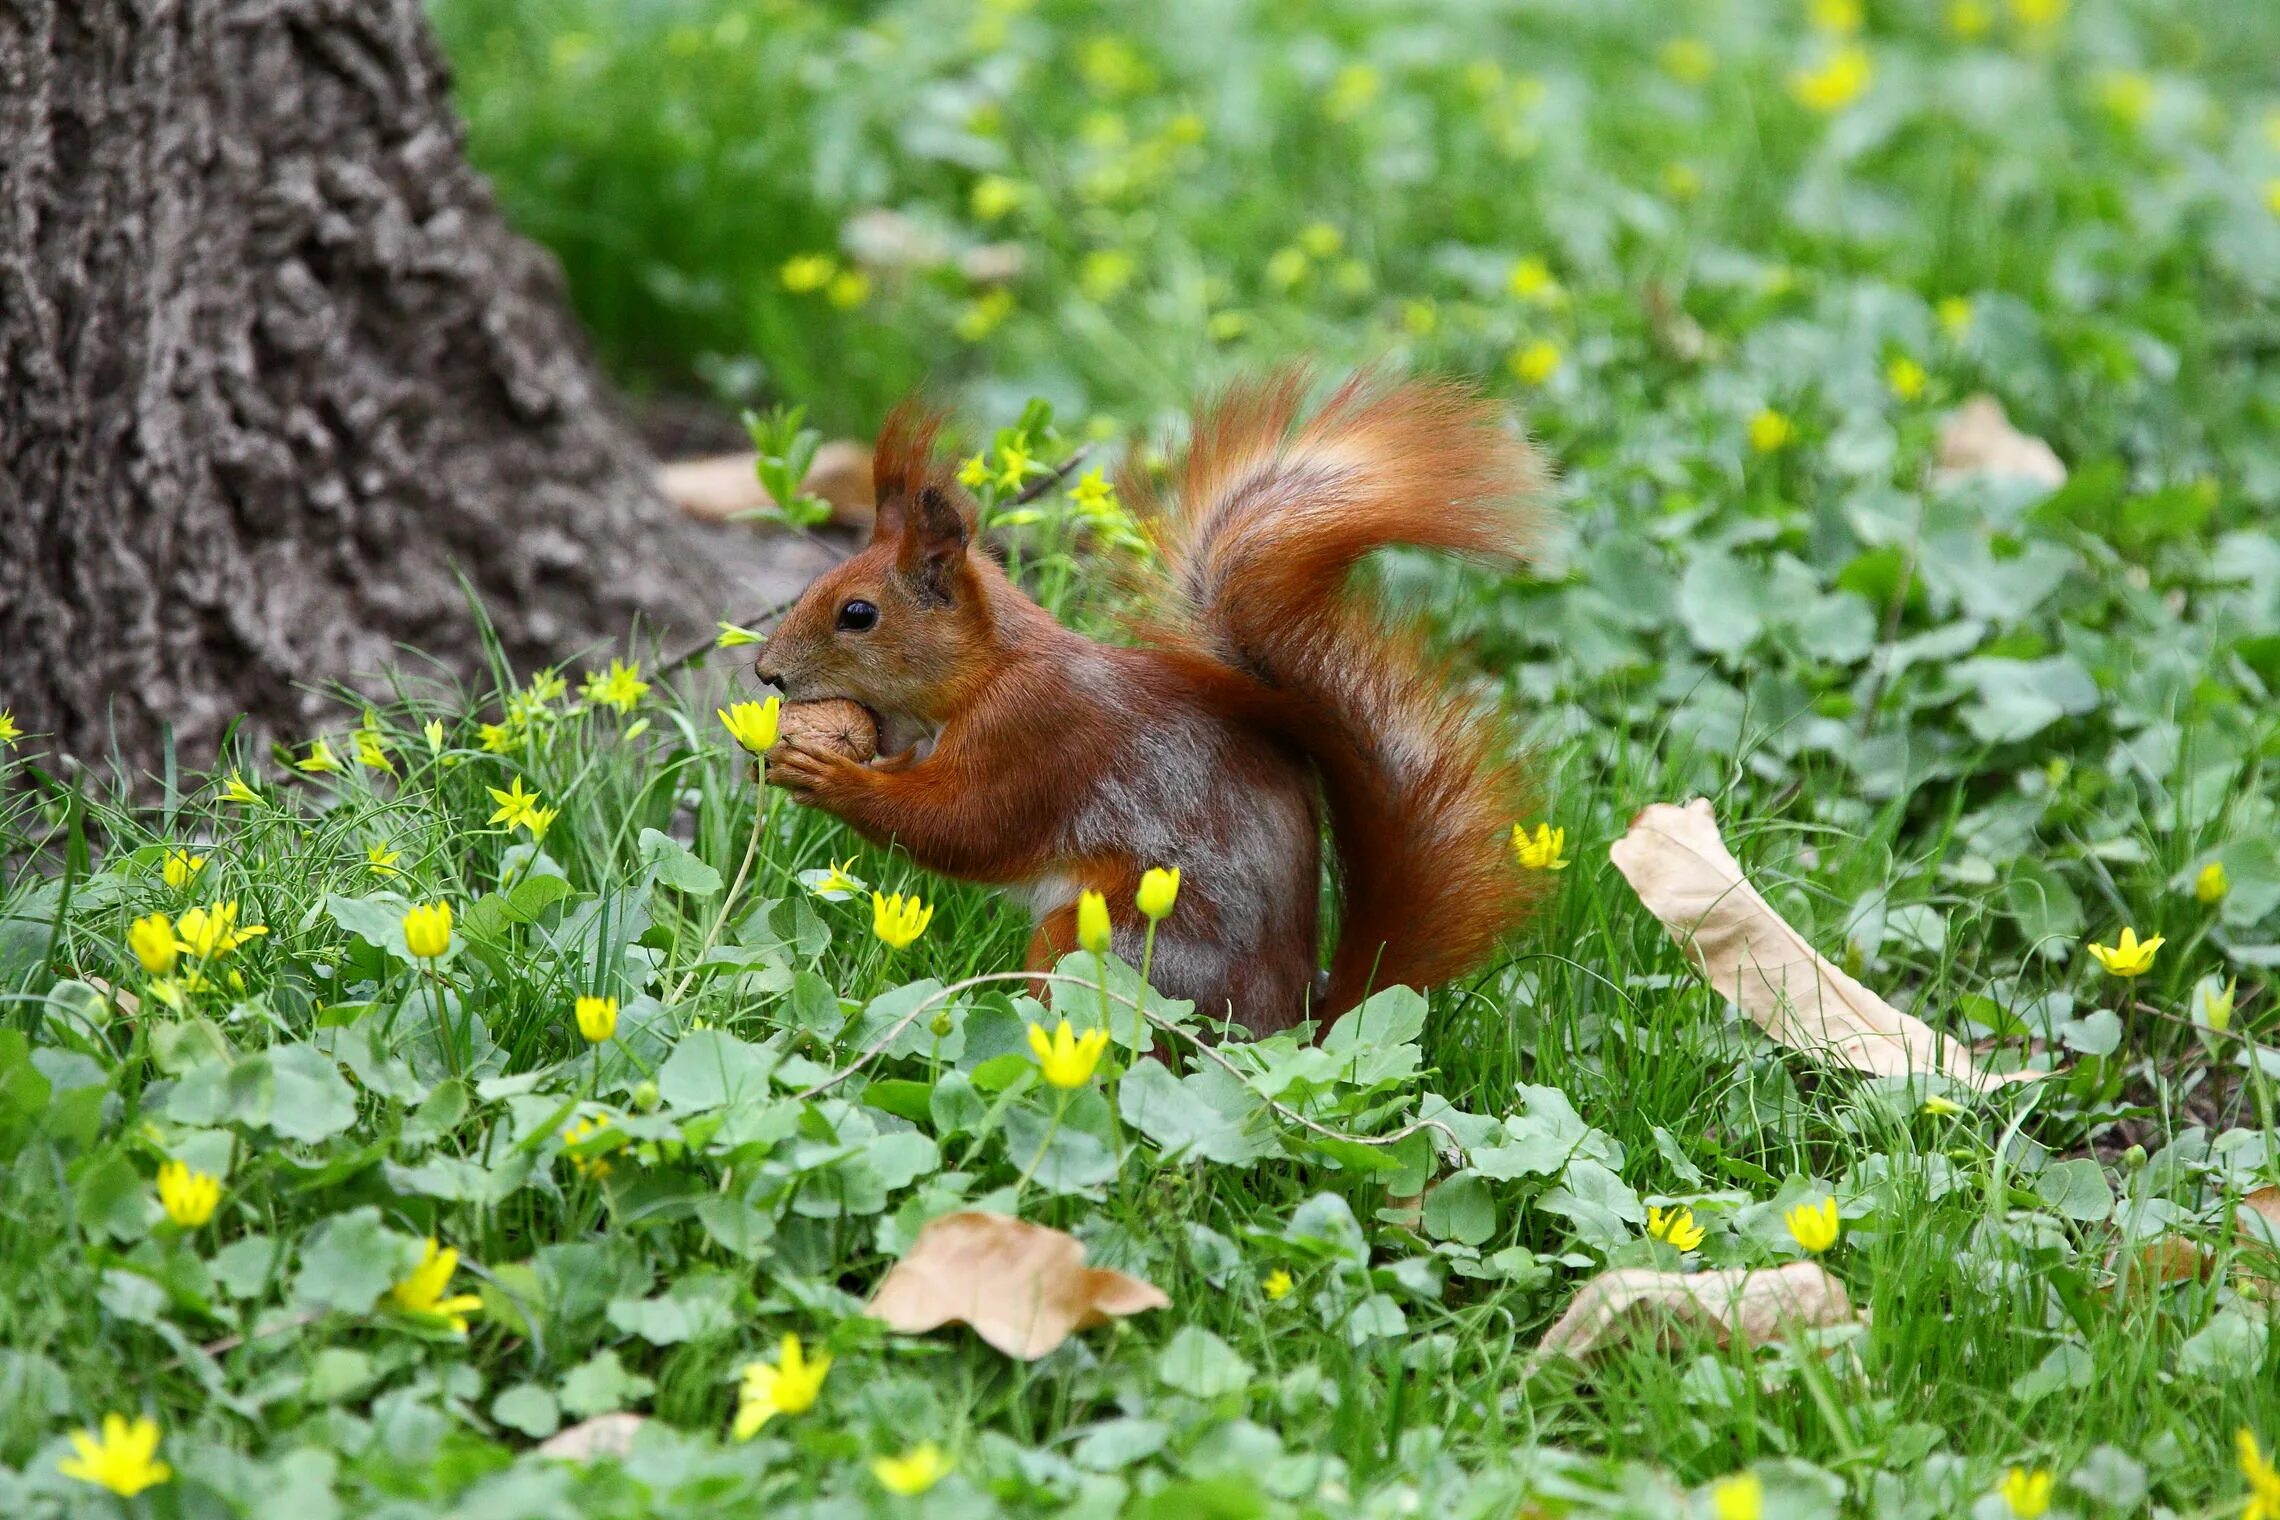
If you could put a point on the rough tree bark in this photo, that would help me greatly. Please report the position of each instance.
(272, 368)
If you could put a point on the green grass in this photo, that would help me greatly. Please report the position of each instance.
(1954, 730)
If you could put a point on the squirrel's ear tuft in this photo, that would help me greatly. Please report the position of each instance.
(902, 464)
(934, 535)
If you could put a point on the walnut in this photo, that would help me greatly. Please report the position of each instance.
(833, 724)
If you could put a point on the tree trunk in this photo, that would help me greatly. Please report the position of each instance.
(273, 373)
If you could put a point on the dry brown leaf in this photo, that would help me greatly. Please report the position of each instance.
(1759, 1304)
(2265, 1202)
(1024, 1288)
(2158, 1262)
(1979, 440)
(722, 486)
(605, 1435)
(1677, 862)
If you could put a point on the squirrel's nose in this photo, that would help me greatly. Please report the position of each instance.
(769, 675)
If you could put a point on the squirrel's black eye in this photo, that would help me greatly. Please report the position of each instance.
(858, 617)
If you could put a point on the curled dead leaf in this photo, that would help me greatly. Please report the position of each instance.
(1022, 1287)
(1979, 440)
(1760, 1305)
(722, 486)
(1678, 863)
(2159, 1262)
(605, 1435)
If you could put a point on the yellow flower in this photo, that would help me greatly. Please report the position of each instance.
(1681, 182)
(1813, 1226)
(1092, 922)
(789, 1385)
(2211, 885)
(2039, 13)
(620, 688)
(1676, 1226)
(836, 884)
(427, 930)
(1092, 492)
(574, 1136)
(123, 1460)
(1276, 1285)
(978, 320)
(9, 732)
(1544, 850)
(1321, 240)
(1689, 60)
(808, 272)
(2027, 1492)
(2272, 196)
(1906, 377)
(2127, 96)
(995, 197)
(1955, 314)
(496, 739)
(2214, 1006)
(1839, 18)
(1352, 91)
(1159, 890)
(188, 1197)
(734, 637)
(1534, 363)
(1740, 1497)
(211, 932)
(432, 731)
(235, 790)
(1420, 317)
(753, 724)
(1939, 1107)
(515, 804)
(1771, 430)
(597, 1018)
(381, 860)
(848, 289)
(1104, 273)
(152, 940)
(975, 472)
(2263, 1478)
(423, 1293)
(1227, 326)
(912, 1473)
(539, 819)
(1532, 280)
(180, 866)
(1066, 1058)
(1843, 77)
(898, 920)
(2128, 956)
(1970, 19)
(371, 753)
(320, 760)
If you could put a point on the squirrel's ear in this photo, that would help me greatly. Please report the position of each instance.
(900, 465)
(934, 533)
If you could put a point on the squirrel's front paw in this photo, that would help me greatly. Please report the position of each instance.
(814, 777)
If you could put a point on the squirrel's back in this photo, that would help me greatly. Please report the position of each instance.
(1271, 511)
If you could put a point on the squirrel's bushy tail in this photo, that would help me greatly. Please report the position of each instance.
(1273, 508)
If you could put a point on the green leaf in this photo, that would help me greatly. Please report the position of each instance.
(1461, 1209)
(1198, 1362)
(711, 1068)
(1195, 1117)
(310, 1102)
(675, 867)
(601, 1385)
(528, 1408)
(350, 1259)
(2077, 1189)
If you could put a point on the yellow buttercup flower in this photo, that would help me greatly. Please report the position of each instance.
(2263, 1479)
(808, 272)
(1159, 890)
(151, 938)
(597, 1018)
(898, 920)
(1813, 1226)
(180, 867)
(423, 1293)
(514, 804)
(753, 725)
(789, 1385)
(1534, 363)
(235, 790)
(123, 1459)
(1532, 280)
(212, 932)
(912, 1473)
(620, 687)
(1842, 78)
(319, 761)
(848, 289)
(2027, 1492)
(1740, 1497)
(2212, 883)
(1544, 850)
(1906, 377)
(188, 1197)
(1276, 1285)
(2127, 956)
(1066, 1058)
(1093, 931)
(427, 930)
(574, 1137)
(1771, 430)
(1675, 1226)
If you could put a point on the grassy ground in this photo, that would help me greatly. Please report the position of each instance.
(1956, 730)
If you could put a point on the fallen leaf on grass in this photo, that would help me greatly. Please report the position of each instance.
(1759, 1305)
(1024, 1288)
(1675, 859)
(1979, 440)
(722, 486)
(605, 1435)
(2265, 1203)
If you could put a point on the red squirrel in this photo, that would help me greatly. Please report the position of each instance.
(1263, 692)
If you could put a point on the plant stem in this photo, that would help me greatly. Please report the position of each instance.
(728, 898)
